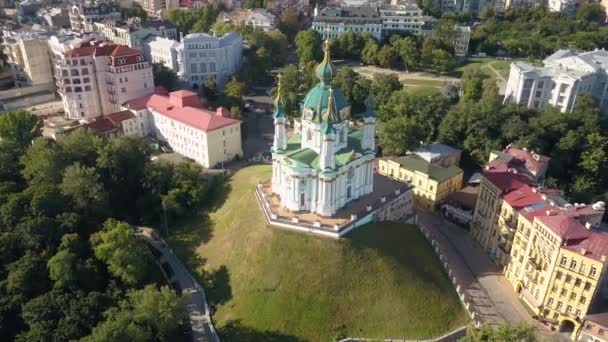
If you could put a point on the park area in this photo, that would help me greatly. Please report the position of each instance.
(419, 82)
(381, 281)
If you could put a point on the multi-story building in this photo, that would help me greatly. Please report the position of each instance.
(163, 51)
(403, 18)
(202, 57)
(333, 21)
(96, 78)
(56, 17)
(462, 35)
(132, 32)
(595, 328)
(83, 14)
(502, 5)
(123, 123)
(431, 183)
(156, 7)
(209, 138)
(256, 18)
(29, 58)
(506, 171)
(564, 76)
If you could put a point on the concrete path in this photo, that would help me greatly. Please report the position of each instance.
(196, 302)
(370, 70)
(502, 82)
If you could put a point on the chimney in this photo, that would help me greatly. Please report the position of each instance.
(588, 225)
(583, 251)
(603, 258)
(534, 190)
(221, 111)
(525, 149)
(544, 197)
(536, 157)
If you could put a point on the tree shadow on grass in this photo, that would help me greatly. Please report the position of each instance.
(235, 331)
(221, 188)
(217, 284)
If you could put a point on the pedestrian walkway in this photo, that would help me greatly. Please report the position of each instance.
(196, 302)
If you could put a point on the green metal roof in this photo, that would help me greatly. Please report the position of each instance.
(310, 158)
(317, 100)
(413, 162)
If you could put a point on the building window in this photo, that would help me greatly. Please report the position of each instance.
(564, 292)
(587, 286)
(578, 313)
(572, 264)
(559, 305)
(568, 278)
(583, 299)
(583, 267)
(592, 272)
(569, 309)
(558, 275)
(573, 296)
(577, 282)
(564, 261)
(550, 302)
(123, 90)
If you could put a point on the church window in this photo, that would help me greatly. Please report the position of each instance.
(302, 198)
(348, 192)
(342, 136)
(308, 135)
(351, 174)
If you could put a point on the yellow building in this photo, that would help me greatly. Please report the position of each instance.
(557, 262)
(431, 183)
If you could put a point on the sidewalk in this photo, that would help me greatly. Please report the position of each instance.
(196, 302)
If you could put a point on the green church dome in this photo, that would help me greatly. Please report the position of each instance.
(317, 100)
(326, 70)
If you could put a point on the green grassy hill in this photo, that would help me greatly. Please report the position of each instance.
(382, 281)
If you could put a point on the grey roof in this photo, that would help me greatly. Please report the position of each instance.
(435, 150)
(159, 24)
(349, 13)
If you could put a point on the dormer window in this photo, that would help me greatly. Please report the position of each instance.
(121, 61)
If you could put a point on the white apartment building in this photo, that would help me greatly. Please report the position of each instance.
(564, 76)
(96, 78)
(29, 58)
(132, 32)
(404, 18)
(82, 14)
(333, 21)
(162, 51)
(565, 6)
(208, 137)
(202, 56)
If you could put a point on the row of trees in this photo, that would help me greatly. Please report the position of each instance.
(538, 32)
(435, 51)
(191, 21)
(70, 264)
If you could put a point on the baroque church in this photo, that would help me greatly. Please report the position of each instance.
(327, 162)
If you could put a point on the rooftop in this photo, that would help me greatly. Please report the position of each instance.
(435, 150)
(416, 163)
(184, 106)
(599, 318)
(350, 13)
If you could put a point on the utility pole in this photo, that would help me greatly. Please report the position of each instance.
(165, 216)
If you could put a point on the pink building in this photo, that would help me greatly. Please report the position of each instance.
(98, 77)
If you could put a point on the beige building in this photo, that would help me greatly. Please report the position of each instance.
(595, 328)
(208, 137)
(431, 183)
(156, 7)
(97, 77)
(29, 58)
(132, 32)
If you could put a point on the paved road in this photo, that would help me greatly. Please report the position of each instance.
(196, 304)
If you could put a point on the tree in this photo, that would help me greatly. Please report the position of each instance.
(443, 60)
(354, 87)
(148, 314)
(369, 54)
(19, 128)
(387, 57)
(407, 50)
(289, 23)
(62, 269)
(290, 84)
(42, 163)
(136, 11)
(592, 12)
(593, 166)
(82, 185)
(126, 256)
(308, 46)
(384, 85)
(398, 136)
(27, 275)
(164, 76)
(472, 87)
(233, 92)
(502, 333)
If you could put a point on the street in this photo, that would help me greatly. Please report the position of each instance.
(196, 302)
(490, 292)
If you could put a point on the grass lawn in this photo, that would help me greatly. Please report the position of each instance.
(501, 66)
(421, 90)
(382, 281)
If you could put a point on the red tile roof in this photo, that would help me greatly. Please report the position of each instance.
(101, 125)
(111, 50)
(198, 118)
(566, 227)
(522, 197)
(119, 117)
(532, 161)
(595, 246)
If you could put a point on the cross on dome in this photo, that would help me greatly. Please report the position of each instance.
(279, 103)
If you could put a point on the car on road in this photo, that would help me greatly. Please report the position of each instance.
(168, 270)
